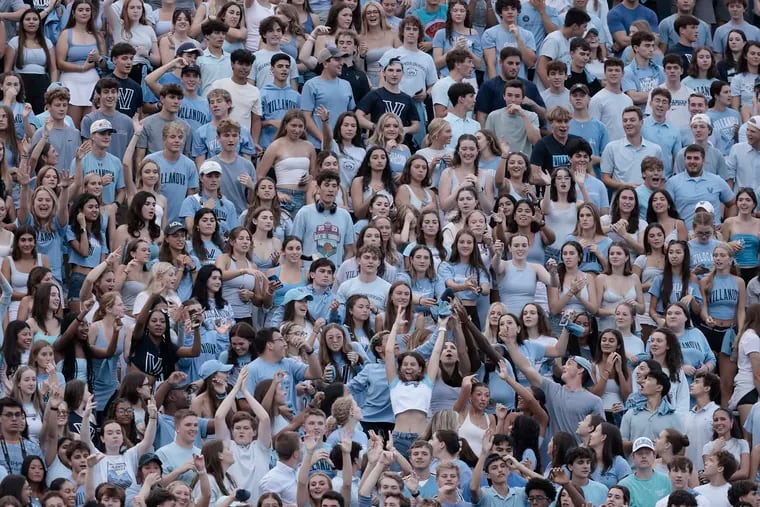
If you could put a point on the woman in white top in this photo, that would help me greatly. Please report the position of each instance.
(577, 290)
(25, 391)
(162, 280)
(560, 205)
(471, 406)
(623, 224)
(415, 180)
(648, 267)
(727, 436)
(411, 387)
(465, 172)
(745, 388)
(618, 283)
(612, 380)
(131, 26)
(290, 147)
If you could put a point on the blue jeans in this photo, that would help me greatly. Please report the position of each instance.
(403, 441)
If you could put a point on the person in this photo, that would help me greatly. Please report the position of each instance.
(513, 124)
(388, 98)
(214, 62)
(246, 98)
(337, 241)
(107, 90)
(122, 55)
(150, 140)
(720, 466)
(690, 187)
(646, 485)
(550, 152)
(508, 33)
(608, 105)
(11, 426)
(491, 93)
(459, 63)
(621, 158)
(567, 405)
(179, 176)
(556, 45)
(62, 137)
(655, 412)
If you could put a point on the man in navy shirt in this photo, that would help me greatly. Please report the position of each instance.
(491, 94)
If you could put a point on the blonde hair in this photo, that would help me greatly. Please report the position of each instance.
(157, 271)
(435, 128)
(378, 138)
(342, 408)
(143, 164)
(384, 26)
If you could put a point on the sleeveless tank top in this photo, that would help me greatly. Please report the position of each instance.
(253, 17)
(723, 297)
(77, 53)
(574, 304)
(517, 287)
(415, 201)
(105, 379)
(610, 299)
(279, 294)
(562, 222)
(472, 433)
(129, 292)
(747, 256)
(266, 262)
(444, 397)
(241, 309)
(611, 394)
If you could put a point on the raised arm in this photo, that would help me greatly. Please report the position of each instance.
(390, 347)
(434, 364)
(522, 363)
(525, 394)
(264, 435)
(149, 437)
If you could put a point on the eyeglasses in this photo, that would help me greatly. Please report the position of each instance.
(125, 411)
(537, 499)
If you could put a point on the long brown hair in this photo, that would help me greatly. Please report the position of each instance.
(391, 310)
(289, 116)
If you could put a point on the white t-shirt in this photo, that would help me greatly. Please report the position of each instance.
(717, 496)
(743, 382)
(246, 99)
(251, 463)
(119, 470)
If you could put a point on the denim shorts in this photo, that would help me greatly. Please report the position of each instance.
(297, 200)
(403, 441)
(76, 280)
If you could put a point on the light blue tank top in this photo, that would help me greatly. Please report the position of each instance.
(517, 287)
(279, 294)
(723, 297)
(77, 53)
(747, 256)
(105, 379)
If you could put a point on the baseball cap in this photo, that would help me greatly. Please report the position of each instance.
(705, 205)
(188, 47)
(101, 125)
(579, 87)
(701, 118)
(55, 85)
(642, 443)
(174, 227)
(297, 294)
(210, 166)
(330, 52)
(187, 69)
(591, 30)
(754, 122)
(213, 366)
(148, 457)
(583, 363)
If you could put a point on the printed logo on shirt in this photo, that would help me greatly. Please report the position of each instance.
(397, 108)
(126, 96)
(327, 237)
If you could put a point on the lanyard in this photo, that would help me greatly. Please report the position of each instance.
(7, 455)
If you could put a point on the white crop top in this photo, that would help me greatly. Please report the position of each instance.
(407, 396)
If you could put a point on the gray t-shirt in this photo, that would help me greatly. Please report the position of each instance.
(511, 128)
(119, 121)
(232, 189)
(151, 137)
(66, 141)
(567, 408)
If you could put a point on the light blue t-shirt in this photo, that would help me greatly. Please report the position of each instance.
(595, 493)
(109, 164)
(177, 178)
(334, 94)
(324, 233)
(205, 142)
(725, 127)
(590, 263)
(195, 112)
(98, 249)
(275, 102)
(51, 243)
(619, 469)
(224, 211)
(645, 493)
(498, 37)
(295, 372)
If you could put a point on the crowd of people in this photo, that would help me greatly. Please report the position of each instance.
(425, 253)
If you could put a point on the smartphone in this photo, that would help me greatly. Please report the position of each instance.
(564, 320)
(196, 322)
(273, 278)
